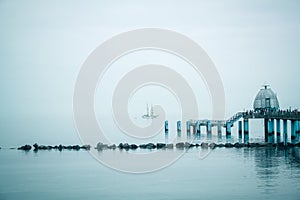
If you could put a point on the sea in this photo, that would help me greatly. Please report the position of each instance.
(223, 173)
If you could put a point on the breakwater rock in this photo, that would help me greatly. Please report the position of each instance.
(56, 147)
(181, 145)
(185, 145)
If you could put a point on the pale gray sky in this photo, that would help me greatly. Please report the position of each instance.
(44, 43)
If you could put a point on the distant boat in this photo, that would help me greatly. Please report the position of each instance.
(150, 113)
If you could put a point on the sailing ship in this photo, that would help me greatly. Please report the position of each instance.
(150, 113)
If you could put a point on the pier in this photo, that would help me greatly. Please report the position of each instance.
(266, 107)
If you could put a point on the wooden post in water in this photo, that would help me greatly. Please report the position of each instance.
(285, 134)
(246, 130)
(278, 132)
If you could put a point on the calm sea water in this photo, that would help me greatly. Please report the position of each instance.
(256, 173)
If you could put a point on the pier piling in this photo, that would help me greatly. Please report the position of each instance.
(278, 132)
(240, 130)
(246, 130)
(285, 132)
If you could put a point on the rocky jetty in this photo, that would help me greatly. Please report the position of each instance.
(60, 147)
(181, 145)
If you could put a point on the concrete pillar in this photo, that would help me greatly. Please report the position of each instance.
(297, 131)
(285, 132)
(166, 131)
(208, 127)
(271, 131)
(293, 131)
(188, 128)
(178, 126)
(198, 128)
(166, 126)
(266, 123)
(278, 132)
(219, 130)
(228, 129)
(246, 130)
(240, 130)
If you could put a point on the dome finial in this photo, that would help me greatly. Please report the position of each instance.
(265, 85)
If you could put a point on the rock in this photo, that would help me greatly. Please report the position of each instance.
(180, 145)
(204, 145)
(133, 146)
(35, 146)
(160, 145)
(197, 145)
(187, 145)
(150, 146)
(228, 145)
(76, 147)
(86, 147)
(100, 146)
(169, 146)
(25, 147)
(221, 145)
(69, 147)
(192, 145)
(112, 147)
(60, 147)
(126, 146)
(143, 146)
(239, 145)
(212, 145)
(120, 146)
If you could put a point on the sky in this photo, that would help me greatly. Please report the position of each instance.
(45, 43)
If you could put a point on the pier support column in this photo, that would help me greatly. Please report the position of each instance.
(285, 132)
(266, 123)
(166, 126)
(278, 132)
(297, 131)
(219, 130)
(240, 130)
(271, 131)
(228, 130)
(179, 128)
(293, 131)
(198, 128)
(188, 129)
(166, 131)
(246, 130)
(208, 127)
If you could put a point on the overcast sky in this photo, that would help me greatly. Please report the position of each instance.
(44, 43)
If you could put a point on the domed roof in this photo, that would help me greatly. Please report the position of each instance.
(266, 99)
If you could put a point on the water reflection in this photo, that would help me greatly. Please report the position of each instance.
(273, 163)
